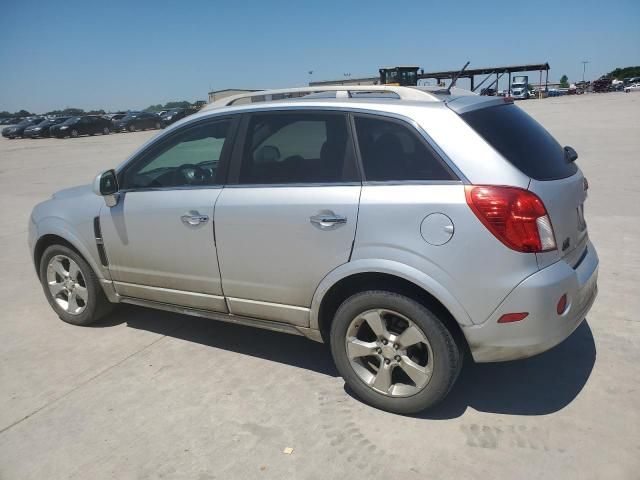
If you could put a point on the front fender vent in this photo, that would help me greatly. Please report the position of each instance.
(99, 242)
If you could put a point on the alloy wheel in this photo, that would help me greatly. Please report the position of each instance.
(389, 352)
(67, 284)
(74, 133)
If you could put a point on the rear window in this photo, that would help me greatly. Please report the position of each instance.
(522, 141)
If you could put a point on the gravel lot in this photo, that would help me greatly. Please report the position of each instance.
(155, 395)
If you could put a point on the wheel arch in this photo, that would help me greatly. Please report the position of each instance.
(385, 275)
(54, 230)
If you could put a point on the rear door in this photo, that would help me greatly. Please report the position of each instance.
(558, 182)
(288, 214)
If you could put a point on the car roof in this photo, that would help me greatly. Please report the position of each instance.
(459, 100)
(373, 97)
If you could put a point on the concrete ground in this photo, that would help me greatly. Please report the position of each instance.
(149, 394)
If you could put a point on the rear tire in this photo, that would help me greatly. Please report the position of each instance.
(71, 287)
(384, 366)
(132, 128)
(106, 131)
(74, 133)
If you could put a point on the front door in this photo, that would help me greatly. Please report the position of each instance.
(159, 237)
(288, 216)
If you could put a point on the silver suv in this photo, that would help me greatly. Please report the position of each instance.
(405, 227)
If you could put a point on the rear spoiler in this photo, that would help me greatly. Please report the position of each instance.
(465, 104)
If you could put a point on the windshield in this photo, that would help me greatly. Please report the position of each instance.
(522, 141)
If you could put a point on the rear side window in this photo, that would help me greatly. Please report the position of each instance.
(391, 151)
(522, 141)
(297, 148)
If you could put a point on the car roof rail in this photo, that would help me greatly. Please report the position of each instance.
(342, 91)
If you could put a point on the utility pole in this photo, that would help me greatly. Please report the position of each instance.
(584, 67)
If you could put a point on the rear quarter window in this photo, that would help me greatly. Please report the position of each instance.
(521, 140)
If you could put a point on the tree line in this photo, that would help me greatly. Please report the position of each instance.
(74, 112)
(168, 106)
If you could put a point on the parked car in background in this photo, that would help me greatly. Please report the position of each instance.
(138, 121)
(85, 125)
(17, 130)
(489, 92)
(601, 85)
(506, 274)
(175, 114)
(43, 129)
(114, 116)
(634, 87)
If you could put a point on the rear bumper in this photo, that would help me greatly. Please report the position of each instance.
(538, 295)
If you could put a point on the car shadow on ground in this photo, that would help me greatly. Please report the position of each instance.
(535, 386)
(538, 385)
(273, 346)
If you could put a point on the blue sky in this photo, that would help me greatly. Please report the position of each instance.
(129, 54)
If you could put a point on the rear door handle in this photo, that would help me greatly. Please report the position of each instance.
(194, 219)
(327, 221)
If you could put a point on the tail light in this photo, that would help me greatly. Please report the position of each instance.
(516, 217)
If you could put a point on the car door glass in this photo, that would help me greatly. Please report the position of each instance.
(188, 158)
(391, 151)
(297, 148)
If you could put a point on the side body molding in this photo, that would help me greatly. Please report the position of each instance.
(390, 267)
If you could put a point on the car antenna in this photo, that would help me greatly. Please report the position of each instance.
(455, 79)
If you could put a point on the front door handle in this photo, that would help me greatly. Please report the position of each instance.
(328, 220)
(194, 219)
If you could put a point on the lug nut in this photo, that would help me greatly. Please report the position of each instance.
(384, 342)
(397, 358)
(378, 350)
(387, 361)
(395, 345)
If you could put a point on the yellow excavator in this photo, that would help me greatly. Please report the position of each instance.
(405, 76)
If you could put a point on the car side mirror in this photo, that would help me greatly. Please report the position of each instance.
(570, 154)
(106, 185)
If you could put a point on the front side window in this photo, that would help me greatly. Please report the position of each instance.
(391, 151)
(297, 148)
(188, 158)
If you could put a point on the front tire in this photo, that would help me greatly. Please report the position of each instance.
(71, 287)
(393, 352)
(74, 133)
(132, 128)
(106, 131)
